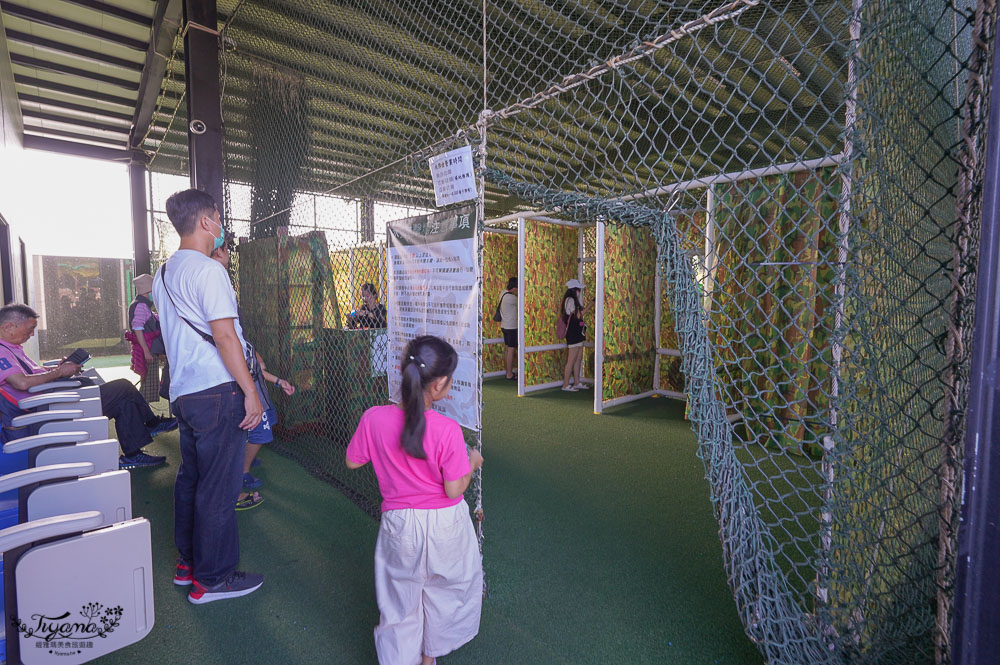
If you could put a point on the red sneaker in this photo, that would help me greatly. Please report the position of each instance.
(239, 583)
(184, 575)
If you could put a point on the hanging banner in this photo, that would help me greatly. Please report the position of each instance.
(433, 272)
(454, 176)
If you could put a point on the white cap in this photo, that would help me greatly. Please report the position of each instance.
(574, 284)
(143, 284)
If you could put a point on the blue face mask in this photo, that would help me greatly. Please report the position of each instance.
(221, 239)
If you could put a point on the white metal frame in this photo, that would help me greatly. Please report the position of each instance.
(696, 183)
(599, 321)
(499, 340)
(520, 307)
(599, 402)
(711, 263)
(522, 219)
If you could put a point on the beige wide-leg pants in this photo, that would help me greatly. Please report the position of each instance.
(428, 583)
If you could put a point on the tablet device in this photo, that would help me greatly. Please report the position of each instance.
(79, 357)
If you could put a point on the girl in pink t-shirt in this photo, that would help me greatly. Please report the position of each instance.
(428, 568)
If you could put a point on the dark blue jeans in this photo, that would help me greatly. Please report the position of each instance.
(209, 480)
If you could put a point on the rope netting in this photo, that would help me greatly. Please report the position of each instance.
(307, 108)
(810, 174)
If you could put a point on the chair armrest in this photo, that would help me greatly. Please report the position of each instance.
(55, 385)
(45, 399)
(44, 441)
(45, 417)
(41, 474)
(49, 527)
(94, 376)
(87, 391)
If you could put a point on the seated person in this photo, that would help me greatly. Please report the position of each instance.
(135, 422)
(372, 313)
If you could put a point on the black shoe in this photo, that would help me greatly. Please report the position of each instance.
(140, 459)
(161, 425)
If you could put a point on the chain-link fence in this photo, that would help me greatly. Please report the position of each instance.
(810, 172)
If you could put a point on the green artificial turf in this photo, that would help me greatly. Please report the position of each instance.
(600, 547)
(102, 362)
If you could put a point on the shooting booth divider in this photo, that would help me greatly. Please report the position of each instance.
(622, 315)
(499, 264)
(550, 253)
(630, 358)
(754, 239)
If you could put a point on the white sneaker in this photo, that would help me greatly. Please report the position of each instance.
(569, 389)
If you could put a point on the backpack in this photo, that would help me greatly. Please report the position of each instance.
(562, 325)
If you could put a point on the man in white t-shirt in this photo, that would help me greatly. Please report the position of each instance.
(213, 396)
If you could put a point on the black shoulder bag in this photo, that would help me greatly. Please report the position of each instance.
(496, 315)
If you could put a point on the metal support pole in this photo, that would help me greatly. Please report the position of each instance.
(367, 219)
(153, 235)
(522, 287)
(353, 285)
(204, 107)
(976, 626)
(657, 319)
(140, 217)
(828, 466)
(711, 258)
(599, 323)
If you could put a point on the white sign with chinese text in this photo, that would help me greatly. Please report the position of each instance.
(433, 280)
(454, 176)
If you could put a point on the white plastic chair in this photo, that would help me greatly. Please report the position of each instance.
(45, 491)
(66, 447)
(101, 578)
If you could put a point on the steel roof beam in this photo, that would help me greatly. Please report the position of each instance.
(36, 16)
(38, 63)
(81, 138)
(76, 122)
(83, 93)
(117, 12)
(166, 21)
(36, 142)
(68, 49)
(70, 106)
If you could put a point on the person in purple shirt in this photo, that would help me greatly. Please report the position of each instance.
(135, 422)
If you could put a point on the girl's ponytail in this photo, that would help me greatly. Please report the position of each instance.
(425, 360)
(413, 410)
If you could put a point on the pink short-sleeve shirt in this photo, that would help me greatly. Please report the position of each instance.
(408, 482)
(13, 360)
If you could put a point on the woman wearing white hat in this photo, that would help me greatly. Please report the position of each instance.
(144, 325)
(576, 329)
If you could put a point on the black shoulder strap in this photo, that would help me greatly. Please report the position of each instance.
(163, 278)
